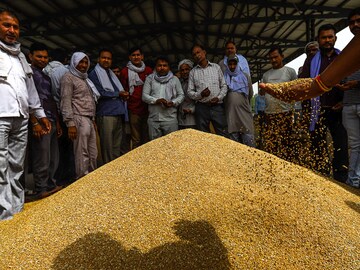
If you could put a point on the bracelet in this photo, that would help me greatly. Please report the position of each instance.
(321, 84)
(35, 124)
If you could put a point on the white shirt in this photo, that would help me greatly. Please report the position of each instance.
(154, 90)
(18, 93)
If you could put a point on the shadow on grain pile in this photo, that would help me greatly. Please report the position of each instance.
(189, 200)
(198, 247)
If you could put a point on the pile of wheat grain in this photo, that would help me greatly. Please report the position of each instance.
(189, 200)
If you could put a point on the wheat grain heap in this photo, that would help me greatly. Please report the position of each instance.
(189, 200)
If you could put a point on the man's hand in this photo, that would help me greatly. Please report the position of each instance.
(205, 92)
(214, 100)
(296, 90)
(72, 133)
(46, 125)
(37, 131)
(347, 86)
(169, 104)
(124, 95)
(337, 107)
(162, 101)
(187, 111)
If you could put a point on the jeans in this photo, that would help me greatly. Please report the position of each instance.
(205, 113)
(351, 121)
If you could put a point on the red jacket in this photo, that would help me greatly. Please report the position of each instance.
(135, 103)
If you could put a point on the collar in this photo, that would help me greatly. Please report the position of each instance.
(208, 64)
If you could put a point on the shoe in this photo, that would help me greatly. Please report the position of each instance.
(36, 196)
(55, 189)
(41, 195)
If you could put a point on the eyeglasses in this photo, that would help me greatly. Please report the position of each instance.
(352, 22)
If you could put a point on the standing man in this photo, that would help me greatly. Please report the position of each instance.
(117, 71)
(278, 114)
(44, 146)
(207, 86)
(111, 110)
(55, 70)
(230, 49)
(78, 96)
(237, 102)
(310, 50)
(132, 78)
(186, 111)
(18, 98)
(351, 110)
(325, 111)
(126, 135)
(163, 92)
(65, 173)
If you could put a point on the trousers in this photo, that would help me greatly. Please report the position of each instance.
(13, 142)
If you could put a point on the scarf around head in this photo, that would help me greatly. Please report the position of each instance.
(75, 59)
(243, 64)
(104, 79)
(170, 91)
(187, 62)
(315, 102)
(134, 79)
(14, 50)
(241, 82)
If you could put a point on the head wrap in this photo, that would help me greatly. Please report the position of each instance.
(242, 63)
(74, 61)
(315, 43)
(186, 61)
(233, 57)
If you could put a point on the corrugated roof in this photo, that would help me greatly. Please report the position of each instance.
(172, 27)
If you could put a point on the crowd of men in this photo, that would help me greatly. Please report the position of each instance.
(70, 120)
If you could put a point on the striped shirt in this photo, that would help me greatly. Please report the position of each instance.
(210, 77)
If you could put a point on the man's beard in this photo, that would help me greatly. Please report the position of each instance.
(356, 30)
(326, 50)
